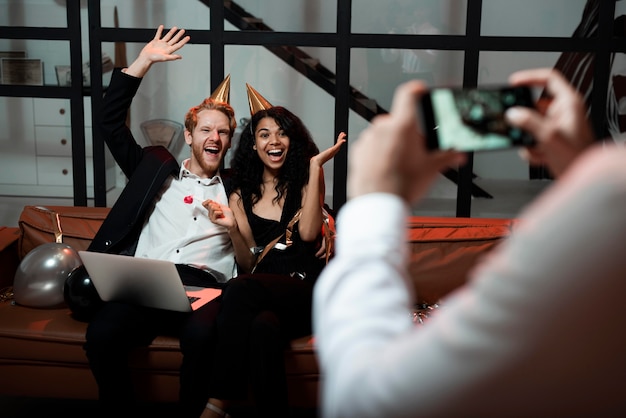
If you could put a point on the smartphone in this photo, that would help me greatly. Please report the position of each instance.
(472, 119)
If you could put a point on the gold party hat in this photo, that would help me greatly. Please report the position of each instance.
(256, 101)
(222, 92)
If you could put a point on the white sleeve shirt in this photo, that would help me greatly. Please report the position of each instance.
(539, 330)
(178, 227)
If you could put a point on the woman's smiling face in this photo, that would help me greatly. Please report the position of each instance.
(271, 143)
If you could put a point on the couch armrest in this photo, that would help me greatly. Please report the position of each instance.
(9, 259)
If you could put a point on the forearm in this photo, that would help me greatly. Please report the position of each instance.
(112, 126)
(361, 304)
(310, 223)
(243, 255)
(117, 101)
(139, 67)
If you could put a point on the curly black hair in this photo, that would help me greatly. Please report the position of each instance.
(247, 167)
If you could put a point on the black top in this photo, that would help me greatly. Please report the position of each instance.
(298, 259)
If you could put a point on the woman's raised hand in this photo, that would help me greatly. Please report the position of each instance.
(324, 156)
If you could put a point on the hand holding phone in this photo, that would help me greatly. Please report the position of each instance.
(472, 119)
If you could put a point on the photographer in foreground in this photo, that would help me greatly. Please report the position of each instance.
(538, 328)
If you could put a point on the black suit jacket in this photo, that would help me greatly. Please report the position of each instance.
(147, 168)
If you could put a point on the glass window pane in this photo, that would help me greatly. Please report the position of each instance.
(294, 15)
(496, 66)
(554, 18)
(17, 142)
(378, 78)
(377, 72)
(42, 57)
(409, 16)
(151, 13)
(503, 174)
(43, 13)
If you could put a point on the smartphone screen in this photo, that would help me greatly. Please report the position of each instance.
(473, 119)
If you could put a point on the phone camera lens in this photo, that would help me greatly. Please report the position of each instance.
(509, 99)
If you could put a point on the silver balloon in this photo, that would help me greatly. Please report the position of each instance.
(41, 275)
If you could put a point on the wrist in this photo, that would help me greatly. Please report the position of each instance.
(314, 166)
(233, 229)
(139, 67)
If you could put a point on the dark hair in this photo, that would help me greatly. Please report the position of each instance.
(247, 167)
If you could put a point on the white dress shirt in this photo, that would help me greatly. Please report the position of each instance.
(178, 228)
(538, 331)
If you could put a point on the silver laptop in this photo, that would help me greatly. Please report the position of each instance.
(145, 282)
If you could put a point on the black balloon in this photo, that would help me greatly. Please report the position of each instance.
(80, 294)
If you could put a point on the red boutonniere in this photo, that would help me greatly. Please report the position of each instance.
(188, 200)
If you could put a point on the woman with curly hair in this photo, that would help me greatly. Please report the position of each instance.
(276, 174)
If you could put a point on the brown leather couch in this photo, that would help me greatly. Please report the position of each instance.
(41, 351)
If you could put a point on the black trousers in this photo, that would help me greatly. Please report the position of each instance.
(119, 328)
(259, 315)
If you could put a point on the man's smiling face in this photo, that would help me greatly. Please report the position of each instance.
(209, 142)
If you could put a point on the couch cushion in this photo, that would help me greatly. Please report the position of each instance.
(53, 336)
(443, 250)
